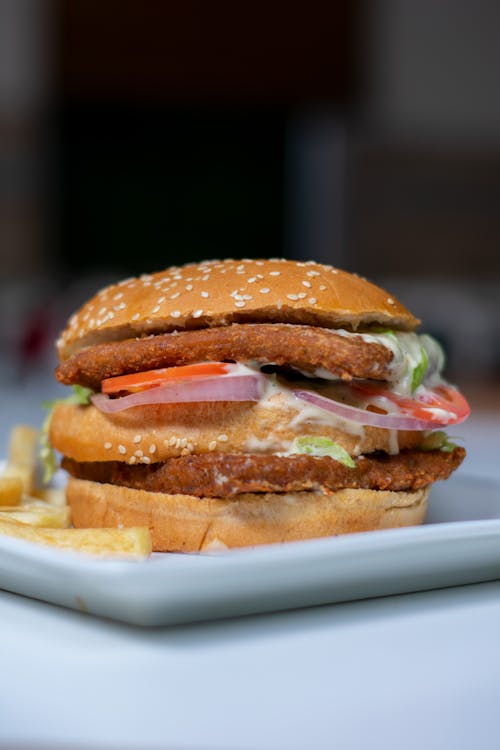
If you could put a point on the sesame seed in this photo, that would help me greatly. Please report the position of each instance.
(189, 287)
(212, 446)
(107, 446)
(334, 270)
(302, 295)
(122, 449)
(240, 268)
(312, 273)
(197, 313)
(322, 288)
(121, 306)
(390, 301)
(139, 454)
(292, 297)
(175, 314)
(145, 460)
(254, 278)
(223, 438)
(239, 303)
(307, 284)
(183, 442)
(131, 460)
(312, 300)
(264, 290)
(259, 262)
(118, 296)
(135, 317)
(101, 312)
(152, 448)
(205, 294)
(172, 441)
(156, 309)
(174, 295)
(274, 273)
(177, 276)
(205, 278)
(161, 300)
(137, 438)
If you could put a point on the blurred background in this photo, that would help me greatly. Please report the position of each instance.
(136, 134)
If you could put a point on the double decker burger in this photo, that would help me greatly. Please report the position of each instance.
(234, 403)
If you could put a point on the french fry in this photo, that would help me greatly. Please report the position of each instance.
(23, 445)
(11, 490)
(134, 542)
(21, 458)
(23, 472)
(52, 495)
(39, 514)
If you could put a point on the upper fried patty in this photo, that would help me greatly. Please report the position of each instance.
(305, 348)
(227, 475)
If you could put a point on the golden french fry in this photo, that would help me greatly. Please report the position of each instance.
(22, 455)
(133, 542)
(23, 445)
(40, 514)
(24, 472)
(52, 495)
(11, 490)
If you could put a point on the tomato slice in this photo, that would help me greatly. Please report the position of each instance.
(140, 381)
(444, 398)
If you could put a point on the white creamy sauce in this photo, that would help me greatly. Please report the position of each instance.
(393, 446)
(268, 445)
(278, 393)
(407, 350)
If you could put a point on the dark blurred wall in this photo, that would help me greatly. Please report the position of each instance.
(173, 124)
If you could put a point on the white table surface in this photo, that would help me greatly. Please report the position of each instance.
(409, 671)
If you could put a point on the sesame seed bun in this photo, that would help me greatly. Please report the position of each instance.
(216, 293)
(183, 523)
(156, 433)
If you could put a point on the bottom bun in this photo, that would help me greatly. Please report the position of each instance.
(184, 523)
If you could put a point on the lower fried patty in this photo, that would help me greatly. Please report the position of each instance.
(227, 475)
(305, 348)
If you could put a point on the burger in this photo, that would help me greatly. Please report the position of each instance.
(242, 402)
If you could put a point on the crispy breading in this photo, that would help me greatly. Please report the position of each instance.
(228, 475)
(305, 348)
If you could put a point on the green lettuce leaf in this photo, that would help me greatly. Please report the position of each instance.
(314, 445)
(80, 397)
(438, 441)
(420, 370)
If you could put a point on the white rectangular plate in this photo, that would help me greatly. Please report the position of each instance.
(460, 543)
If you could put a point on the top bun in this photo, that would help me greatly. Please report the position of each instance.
(214, 293)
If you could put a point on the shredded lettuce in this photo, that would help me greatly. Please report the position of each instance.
(438, 441)
(420, 370)
(80, 397)
(322, 446)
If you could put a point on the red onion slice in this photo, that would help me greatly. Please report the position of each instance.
(370, 418)
(219, 388)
